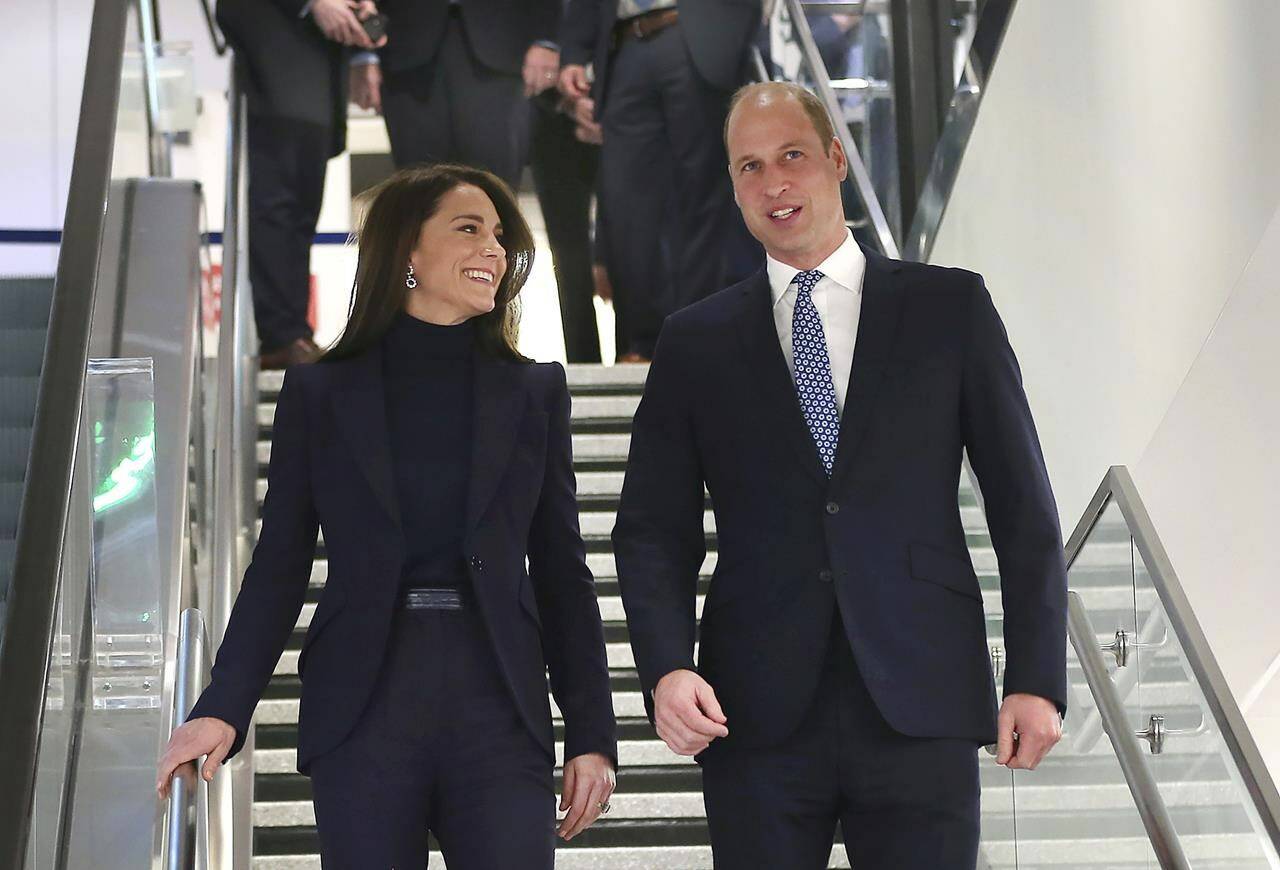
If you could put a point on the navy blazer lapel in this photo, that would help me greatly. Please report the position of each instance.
(759, 337)
(360, 406)
(498, 406)
(878, 328)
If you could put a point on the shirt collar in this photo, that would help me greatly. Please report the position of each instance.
(845, 267)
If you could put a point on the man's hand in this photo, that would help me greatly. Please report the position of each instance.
(339, 20)
(366, 86)
(1036, 722)
(588, 782)
(583, 112)
(204, 736)
(687, 715)
(573, 81)
(541, 65)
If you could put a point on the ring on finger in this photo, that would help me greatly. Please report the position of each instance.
(604, 806)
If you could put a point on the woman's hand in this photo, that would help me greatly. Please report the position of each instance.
(205, 736)
(588, 783)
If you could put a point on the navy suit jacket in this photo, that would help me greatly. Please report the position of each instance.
(716, 32)
(499, 32)
(291, 70)
(331, 469)
(933, 374)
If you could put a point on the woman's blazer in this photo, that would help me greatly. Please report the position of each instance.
(331, 470)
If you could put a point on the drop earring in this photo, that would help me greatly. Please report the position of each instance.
(409, 280)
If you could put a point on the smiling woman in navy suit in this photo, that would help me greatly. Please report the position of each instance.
(436, 459)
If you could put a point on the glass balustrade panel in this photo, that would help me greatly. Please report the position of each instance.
(1198, 779)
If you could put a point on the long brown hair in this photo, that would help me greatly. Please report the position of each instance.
(387, 236)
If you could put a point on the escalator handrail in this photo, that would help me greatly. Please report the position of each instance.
(215, 33)
(42, 524)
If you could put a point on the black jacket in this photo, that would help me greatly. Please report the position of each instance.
(498, 31)
(933, 375)
(289, 69)
(717, 33)
(331, 469)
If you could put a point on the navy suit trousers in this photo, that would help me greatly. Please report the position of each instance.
(902, 802)
(441, 748)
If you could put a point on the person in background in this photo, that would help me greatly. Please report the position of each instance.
(564, 161)
(453, 80)
(291, 56)
(438, 461)
(664, 74)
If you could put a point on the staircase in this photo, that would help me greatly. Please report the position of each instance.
(24, 320)
(1074, 812)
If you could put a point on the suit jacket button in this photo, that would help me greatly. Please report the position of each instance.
(476, 563)
(833, 508)
(825, 575)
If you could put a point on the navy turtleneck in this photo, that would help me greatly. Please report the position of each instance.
(428, 374)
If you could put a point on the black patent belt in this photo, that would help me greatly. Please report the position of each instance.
(431, 598)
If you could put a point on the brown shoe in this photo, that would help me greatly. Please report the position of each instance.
(304, 350)
(633, 357)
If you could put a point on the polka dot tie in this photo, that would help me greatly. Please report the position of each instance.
(814, 387)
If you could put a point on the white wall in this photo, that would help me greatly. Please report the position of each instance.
(1122, 170)
(1211, 481)
(1122, 173)
(42, 50)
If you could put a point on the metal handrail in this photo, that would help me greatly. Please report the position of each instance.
(858, 174)
(234, 436)
(1118, 486)
(182, 821)
(1142, 783)
(159, 162)
(42, 523)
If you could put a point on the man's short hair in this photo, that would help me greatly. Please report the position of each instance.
(808, 101)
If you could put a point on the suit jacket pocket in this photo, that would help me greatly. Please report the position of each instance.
(945, 569)
(331, 604)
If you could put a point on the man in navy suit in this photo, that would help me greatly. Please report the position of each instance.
(825, 403)
(453, 79)
(664, 72)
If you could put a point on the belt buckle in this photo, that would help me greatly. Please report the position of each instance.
(635, 27)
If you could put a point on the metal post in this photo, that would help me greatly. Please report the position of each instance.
(158, 142)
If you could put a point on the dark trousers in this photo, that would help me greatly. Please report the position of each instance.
(457, 110)
(564, 175)
(441, 748)
(675, 235)
(287, 160)
(902, 802)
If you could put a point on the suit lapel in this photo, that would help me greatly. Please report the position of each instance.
(359, 404)
(759, 336)
(878, 328)
(498, 406)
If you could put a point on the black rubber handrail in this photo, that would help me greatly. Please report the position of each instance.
(215, 33)
(42, 523)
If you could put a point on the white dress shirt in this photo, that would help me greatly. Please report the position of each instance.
(838, 298)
